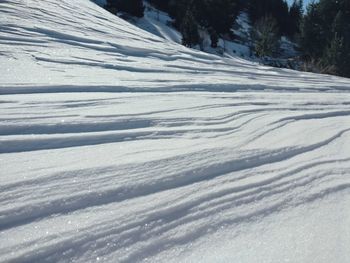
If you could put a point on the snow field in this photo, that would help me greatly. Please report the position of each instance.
(119, 146)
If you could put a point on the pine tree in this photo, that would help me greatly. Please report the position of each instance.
(295, 17)
(161, 4)
(265, 36)
(326, 35)
(189, 30)
(132, 7)
(340, 45)
(333, 56)
(313, 36)
(220, 14)
(277, 9)
(214, 38)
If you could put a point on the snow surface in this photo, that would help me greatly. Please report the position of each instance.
(158, 23)
(119, 146)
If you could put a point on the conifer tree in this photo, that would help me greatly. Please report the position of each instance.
(214, 38)
(295, 18)
(189, 30)
(326, 34)
(132, 7)
(313, 36)
(333, 55)
(277, 9)
(220, 14)
(265, 36)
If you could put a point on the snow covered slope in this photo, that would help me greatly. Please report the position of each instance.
(119, 146)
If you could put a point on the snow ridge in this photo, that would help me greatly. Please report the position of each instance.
(119, 146)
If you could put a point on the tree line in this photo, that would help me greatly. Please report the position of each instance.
(325, 36)
(322, 32)
(217, 16)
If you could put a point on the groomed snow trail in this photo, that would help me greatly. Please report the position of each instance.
(119, 146)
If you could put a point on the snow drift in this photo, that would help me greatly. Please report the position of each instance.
(119, 146)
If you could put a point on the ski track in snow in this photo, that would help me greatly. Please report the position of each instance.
(119, 146)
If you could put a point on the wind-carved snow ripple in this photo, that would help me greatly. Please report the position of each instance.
(206, 190)
(125, 147)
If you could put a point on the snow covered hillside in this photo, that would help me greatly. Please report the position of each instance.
(161, 24)
(119, 146)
